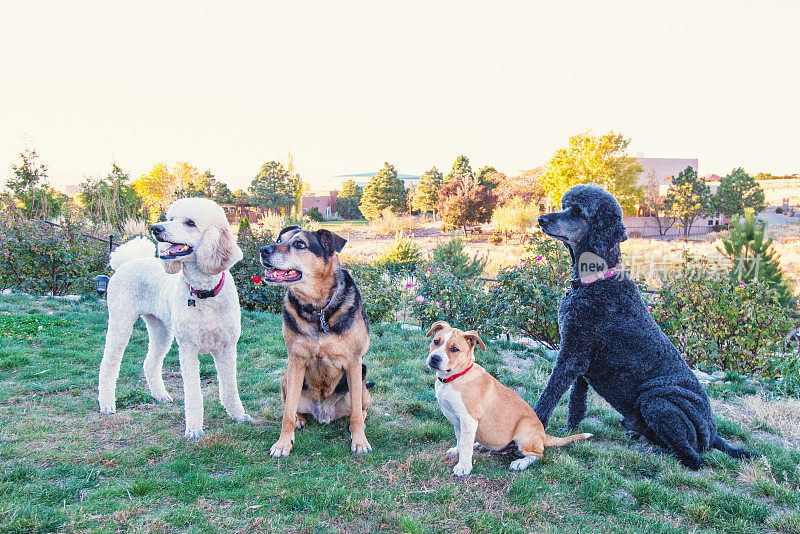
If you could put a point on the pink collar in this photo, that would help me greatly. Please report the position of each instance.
(615, 271)
(207, 293)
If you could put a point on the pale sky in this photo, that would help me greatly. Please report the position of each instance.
(348, 85)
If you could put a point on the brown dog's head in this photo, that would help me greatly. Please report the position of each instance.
(301, 258)
(451, 350)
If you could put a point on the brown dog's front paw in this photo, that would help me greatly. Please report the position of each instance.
(360, 445)
(282, 447)
(299, 421)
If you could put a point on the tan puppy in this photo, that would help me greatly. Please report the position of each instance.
(483, 411)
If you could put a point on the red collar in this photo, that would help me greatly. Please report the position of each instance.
(451, 378)
(206, 293)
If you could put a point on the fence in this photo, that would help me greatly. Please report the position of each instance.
(110, 240)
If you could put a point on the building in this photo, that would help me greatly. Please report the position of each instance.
(781, 192)
(324, 201)
(659, 171)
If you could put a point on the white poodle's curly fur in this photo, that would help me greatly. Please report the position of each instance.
(157, 290)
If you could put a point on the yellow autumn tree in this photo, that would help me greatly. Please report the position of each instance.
(602, 160)
(157, 188)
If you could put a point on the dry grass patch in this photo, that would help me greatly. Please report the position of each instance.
(780, 416)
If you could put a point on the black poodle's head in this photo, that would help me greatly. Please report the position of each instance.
(590, 220)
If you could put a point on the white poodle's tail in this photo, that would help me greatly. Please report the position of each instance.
(138, 247)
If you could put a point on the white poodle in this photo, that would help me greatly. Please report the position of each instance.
(198, 306)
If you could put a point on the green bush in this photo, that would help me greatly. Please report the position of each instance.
(527, 296)
(253, 293)
(38, 257)
(315, 215)
(784, 372)
(450, 255)
(717, 323)
(403, 255)
(443, 296)
(379, 293)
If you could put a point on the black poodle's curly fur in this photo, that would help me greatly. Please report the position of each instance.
(609, 341)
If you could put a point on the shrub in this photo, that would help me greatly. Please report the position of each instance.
(379, 294)
(450, 255)
(38, 257)
(515, 217)
(719, 323)
(314, 214)
(402, 256)
(253, 294)
(443, 296)
(526, 298)
(779, 210)
(495, 239)
(784, 370)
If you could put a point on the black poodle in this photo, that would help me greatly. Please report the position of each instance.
(609, 340)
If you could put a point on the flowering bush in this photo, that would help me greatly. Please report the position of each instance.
(38, 257)
(443, 296)
(380, 295)
(253, 293)
(718, 323)
(526, 298)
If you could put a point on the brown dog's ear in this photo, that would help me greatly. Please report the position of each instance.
(218, 250)
(473, 338)
(435, 327)
(171, 267)
(287, 229)
(330, 241)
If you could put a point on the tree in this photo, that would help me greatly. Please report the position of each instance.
(738, 191)
(688, 198)
(489, 176)
(156, 189)
(527, 187)
(594, 159)
(463, 201)
(275, 189)
(348, 200)
(35, 198)
(754, 258)
(111, 199)
(384, 190)
(426, 195)
(655, 205)
(205, 185)
(451, 255)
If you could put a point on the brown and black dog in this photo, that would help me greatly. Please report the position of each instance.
(326, 334)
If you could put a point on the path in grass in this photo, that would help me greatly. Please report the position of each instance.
(64, 467)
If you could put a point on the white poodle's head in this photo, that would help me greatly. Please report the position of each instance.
(196, 230)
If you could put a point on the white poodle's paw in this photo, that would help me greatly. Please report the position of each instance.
(452, 452)
(108, 407)
(244, 418)
(522, 463)
(162, 397)
(462, 469)
(360, 445)
(193, 433)
(282, 447)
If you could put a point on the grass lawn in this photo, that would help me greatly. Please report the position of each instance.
(66, 468)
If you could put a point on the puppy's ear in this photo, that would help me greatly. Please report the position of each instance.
(331, 242)
(218, 250)
(287, 229)
(473, 339)
(435, 327)
(171, 267)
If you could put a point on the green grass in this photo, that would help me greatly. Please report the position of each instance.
(66, 468)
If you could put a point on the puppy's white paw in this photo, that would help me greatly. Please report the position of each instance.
(360, 446)
(462, 468)
(162, 397)
(522, 463)
(108, 407)
(281, 448)
(193, 433)
(452, 452)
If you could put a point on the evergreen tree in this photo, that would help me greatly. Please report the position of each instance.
(275, 189)
(348, 200)
(426, 196)
(688, 198)
(462, 171)
(384, 190)
(30, 189)
(451, 255)
(753, 256)
(738, 191)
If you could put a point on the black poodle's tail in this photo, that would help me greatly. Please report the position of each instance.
(722, 445)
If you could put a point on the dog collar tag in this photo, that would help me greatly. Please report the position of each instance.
(323, 324)
(190, 302)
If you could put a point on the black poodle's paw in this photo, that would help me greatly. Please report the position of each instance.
(633, 435)
(566, 429)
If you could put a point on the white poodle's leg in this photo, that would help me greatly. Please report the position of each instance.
(225, 362)
(117, 337)
(192, 394)
(160, 340)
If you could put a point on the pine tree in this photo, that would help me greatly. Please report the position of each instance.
(384, 190)
(426, 196)
(754, 258)
(737, 191)
(451, 254)
(348, 200)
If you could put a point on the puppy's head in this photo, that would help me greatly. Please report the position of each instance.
(301, 257)
(451, 350)
(196, 230)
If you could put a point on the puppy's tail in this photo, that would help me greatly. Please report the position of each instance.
(138, 247)
(552, 441)
(722, 445)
